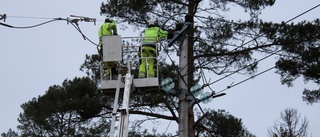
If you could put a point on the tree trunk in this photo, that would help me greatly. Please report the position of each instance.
(191, 131)
(190, 33)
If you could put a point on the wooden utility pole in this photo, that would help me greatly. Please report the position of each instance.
(184, 51)
(183, 88)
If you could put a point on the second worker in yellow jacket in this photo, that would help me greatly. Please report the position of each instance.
(153, 34)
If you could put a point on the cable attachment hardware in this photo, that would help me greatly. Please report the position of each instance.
(85, 19)
(3, 17)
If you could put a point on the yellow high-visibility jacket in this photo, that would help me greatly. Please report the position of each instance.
(154, 34)
(107, 29)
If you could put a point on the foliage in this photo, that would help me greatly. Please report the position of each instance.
(63, 110)
(289, 125)
(300, 56)
(221, 124)
(218, 45)
(225, 46)
(92, 62)
(139, 131)
(311, 96)
(10, 133)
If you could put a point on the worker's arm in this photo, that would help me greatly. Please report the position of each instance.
(162, 33)
(114, 28)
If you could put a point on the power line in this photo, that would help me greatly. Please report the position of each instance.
(263, 57)
(284, 22)
(73, 22)
(26, 17)
(295, 17)
(84, 36)
(40, 18)
(243, 67)
(184, 82)
(167, 127)
(27, 27)
(78, 28)
(233, 85)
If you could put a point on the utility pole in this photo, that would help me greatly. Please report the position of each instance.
(185, 56)
(185, 66)
(180, 34)
(183, 88)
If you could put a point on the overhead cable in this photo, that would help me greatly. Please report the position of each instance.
(27, 27)
(233, 85)
(263, 57)
(284, 22)
(73, 22)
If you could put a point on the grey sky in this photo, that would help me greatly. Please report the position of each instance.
(34, 59)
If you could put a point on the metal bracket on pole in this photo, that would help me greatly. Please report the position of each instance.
(85, 19)
(179, 33)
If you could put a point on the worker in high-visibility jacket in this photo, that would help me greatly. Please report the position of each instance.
(152, 35)
(107, 29)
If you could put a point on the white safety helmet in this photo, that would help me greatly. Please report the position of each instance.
(153, 21)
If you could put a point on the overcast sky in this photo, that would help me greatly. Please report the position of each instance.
(34, 59)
